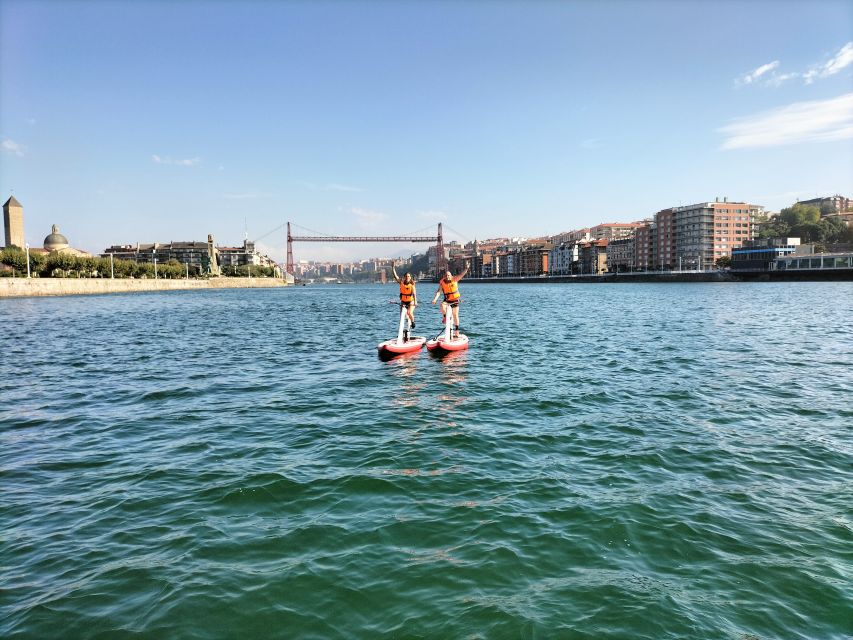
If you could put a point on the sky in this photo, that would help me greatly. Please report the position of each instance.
(127, 122)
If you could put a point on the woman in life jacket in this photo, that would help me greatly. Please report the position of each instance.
(408, 294)
(449, 287)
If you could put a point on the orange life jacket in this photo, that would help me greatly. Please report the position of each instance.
(407, 292)
(450, 290)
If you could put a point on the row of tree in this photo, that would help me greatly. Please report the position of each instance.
(804, 221)
(63, 265)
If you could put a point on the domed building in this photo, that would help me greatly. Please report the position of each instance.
(55, 241)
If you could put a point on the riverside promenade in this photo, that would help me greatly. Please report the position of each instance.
(830, 275)
(30, 287)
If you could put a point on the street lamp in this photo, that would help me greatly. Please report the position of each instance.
(112, 267)
(27, 247)
(154, 253)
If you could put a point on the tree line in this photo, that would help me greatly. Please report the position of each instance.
(63, 265)
(804, 221)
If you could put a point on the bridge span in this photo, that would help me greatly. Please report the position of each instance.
(438, 239)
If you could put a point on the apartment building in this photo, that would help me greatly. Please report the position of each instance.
(613, 230)
(837, 203)
(593, 257)
(706, 231)
(620, 254)
(562, 257)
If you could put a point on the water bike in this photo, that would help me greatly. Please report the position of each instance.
(403, 343)
(445, 341)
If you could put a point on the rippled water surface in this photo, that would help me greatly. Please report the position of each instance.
(606, 461)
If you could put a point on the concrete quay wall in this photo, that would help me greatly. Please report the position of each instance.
(24, 287)
(707, 276)
(818, 275)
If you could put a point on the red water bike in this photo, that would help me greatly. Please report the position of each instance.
(446, 340)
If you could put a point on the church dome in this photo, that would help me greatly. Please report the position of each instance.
(55, 241)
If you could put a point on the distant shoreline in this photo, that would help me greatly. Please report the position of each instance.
(829, 275)
(39, 287)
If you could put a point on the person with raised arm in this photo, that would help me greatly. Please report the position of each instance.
(449, 287)
(408, 294)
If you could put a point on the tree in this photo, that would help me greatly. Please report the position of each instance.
(831, 230)
(723, 262)
(774, 227)
(15, 258)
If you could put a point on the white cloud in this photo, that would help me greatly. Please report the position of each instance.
(10, 146)
(815, 121)
(778, 79)
(187, 162)
(754, 75)
(840, 61)
(249, 195)
(766, 74)
(368, 218)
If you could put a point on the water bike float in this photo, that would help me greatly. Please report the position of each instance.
(403, 343)
(445, 341)
(395, 347)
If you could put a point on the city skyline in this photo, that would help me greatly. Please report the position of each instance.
(498, 119)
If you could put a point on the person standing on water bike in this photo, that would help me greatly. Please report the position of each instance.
(408, 294)
(447, 285)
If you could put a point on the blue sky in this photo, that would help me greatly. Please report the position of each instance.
(158, 121)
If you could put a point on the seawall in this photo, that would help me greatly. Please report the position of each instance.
(707, 276)
(23, 287)
(818, 275)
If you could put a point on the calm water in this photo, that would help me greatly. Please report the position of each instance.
(606, 461)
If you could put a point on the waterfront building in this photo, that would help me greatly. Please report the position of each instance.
(243, 256)
(663, 253)
(499, 263)
(562, 258)
(816, 262)
(694, 236)
(762, 254)
(593, 257)
(481, 261)
(706, 231)
(644, 246)
(13, 223)
(511, 263)
(203, 255)
(613, 230)
(192, 253)
(620, 254)
(533, 259)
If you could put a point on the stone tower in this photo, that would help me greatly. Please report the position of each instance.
(13, 223)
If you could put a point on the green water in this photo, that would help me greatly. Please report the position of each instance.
(606, 461)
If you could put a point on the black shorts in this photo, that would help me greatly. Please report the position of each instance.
(406, 304)
(455, 303)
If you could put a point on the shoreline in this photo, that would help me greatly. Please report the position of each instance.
(40, 287)
(830, 275)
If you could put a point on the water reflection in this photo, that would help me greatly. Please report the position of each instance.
(454, 375)
(406, 367)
